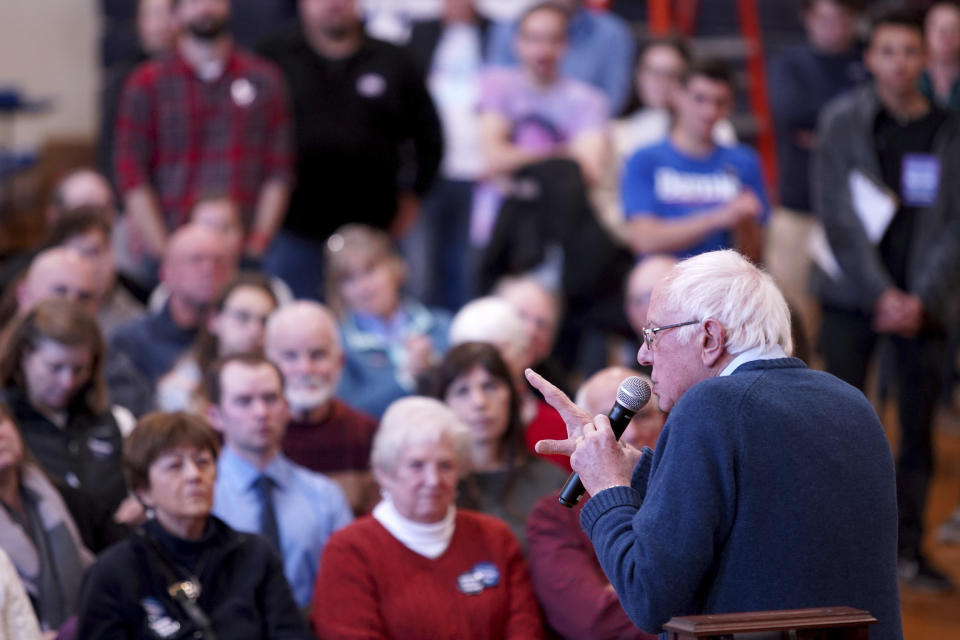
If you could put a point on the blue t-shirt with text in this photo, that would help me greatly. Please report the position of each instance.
(661, 181)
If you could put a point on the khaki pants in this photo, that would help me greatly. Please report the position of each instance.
(788, 262)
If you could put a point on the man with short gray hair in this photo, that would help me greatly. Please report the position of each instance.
(772, 485)
(324, 433)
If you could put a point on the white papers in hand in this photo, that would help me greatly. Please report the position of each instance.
(875, 206)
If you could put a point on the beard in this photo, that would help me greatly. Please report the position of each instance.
(308, 392)
(209, 28)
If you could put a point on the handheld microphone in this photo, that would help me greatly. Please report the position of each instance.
(632, 395)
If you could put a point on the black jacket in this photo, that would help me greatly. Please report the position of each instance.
(243, 590)
(85, 454)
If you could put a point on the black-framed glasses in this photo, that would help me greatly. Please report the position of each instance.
(649, 335)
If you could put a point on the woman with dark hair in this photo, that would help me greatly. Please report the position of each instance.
(505, 480)
(185, 574)
(38, 532)
(51, 376)
(236, 325)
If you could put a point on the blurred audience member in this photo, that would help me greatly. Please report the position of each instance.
(233, 136)
(688, 195)
(539, 308)
(640, 284)
(17, 618)
(235, 325)
(51, 374)
(195, 270)
(450, 54)
(38, 532)
(324, 434)
(563, 563)
(658, 76)
(185, 569)
(222, 215)
(156, 35)
(802, 80)
(82, 187)
(504, 478)
(495, 321)
(601, 49)
(390, 341)
(60, 272)
(534, 113)
(358, 104)
(940, 82)
(465, 570)
(88, 230)
(885, 146)
(258, 489)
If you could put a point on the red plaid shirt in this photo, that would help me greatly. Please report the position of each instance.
(189, 138)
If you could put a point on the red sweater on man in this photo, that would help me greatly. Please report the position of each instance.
(371, 586)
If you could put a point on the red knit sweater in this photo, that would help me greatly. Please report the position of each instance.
(371, 586)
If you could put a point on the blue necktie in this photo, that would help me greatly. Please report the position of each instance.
(268, 515)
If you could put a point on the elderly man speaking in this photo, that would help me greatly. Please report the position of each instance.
(772, 485)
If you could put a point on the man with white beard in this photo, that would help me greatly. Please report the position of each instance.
(324, 433)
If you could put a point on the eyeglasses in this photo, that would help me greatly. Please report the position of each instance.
(649, 335)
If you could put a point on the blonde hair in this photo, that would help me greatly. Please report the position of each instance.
(347, 245)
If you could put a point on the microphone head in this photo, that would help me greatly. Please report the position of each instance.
(634, 392)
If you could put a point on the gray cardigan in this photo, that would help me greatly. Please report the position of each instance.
(845, 141)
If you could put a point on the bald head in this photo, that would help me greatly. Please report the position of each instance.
(196, 265)
(493, 320)
(303, 340)
(81, 188)
(643, 278)
(598, 394)
(60, 272)
(539, 310)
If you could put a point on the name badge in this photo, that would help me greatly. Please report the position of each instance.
(243, 92)
(919, 179)
(482, 576)
(160, 624)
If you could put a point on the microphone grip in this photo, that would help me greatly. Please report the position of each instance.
(619, 417)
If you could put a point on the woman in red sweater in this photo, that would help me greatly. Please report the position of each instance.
(418, 567)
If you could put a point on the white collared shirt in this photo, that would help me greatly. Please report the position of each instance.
(756, 353)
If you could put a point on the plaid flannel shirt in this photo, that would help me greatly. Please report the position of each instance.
(189, 138)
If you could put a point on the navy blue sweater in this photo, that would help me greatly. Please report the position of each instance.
(772, 488)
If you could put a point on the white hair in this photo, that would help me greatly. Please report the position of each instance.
(725, 286)
(490, 319)
(414, 420)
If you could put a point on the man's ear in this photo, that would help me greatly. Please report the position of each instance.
(713, 342)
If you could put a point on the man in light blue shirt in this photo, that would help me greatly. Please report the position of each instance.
(600, 51)
(258, 490)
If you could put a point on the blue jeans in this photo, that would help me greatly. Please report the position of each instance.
(298, 261)
(436, 249)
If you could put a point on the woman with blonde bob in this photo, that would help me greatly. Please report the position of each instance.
(418, 567)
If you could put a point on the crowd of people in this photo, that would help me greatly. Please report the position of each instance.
(282, 362)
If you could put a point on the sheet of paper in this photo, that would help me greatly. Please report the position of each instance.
(874, 204)
(820, 252)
